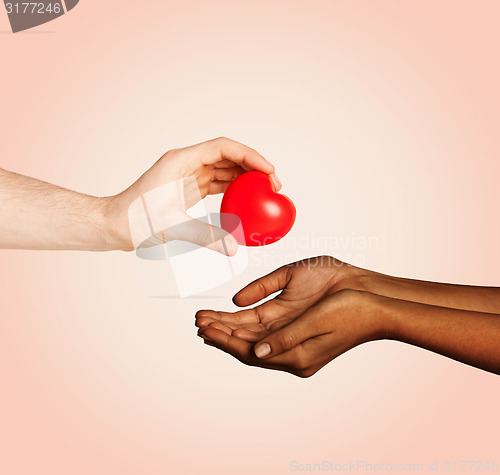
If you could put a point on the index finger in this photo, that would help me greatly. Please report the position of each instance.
(227, 149)
(222, 149)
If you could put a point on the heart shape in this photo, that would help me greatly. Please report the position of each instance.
(265, 215)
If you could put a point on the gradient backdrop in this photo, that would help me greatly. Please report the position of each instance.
(382, 118)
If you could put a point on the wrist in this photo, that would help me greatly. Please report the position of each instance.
(115, 233)
(350, 277)
(369, 281)
(369, 297)
(386, 313)
(365, 314)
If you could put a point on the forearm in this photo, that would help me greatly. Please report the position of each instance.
(38, 215)
(465, 297)
(466, 336)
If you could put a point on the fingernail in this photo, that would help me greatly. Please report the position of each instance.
(262, 350)
(276, 180)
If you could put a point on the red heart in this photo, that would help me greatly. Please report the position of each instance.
(266, 216)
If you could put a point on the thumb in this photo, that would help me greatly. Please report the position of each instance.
(288, 337)
(205, 235)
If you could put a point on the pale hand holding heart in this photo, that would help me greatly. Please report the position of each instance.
(209, 168)
(175, 183)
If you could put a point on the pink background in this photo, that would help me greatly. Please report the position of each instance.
(382, 119)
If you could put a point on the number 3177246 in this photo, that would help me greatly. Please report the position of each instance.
(33, 8)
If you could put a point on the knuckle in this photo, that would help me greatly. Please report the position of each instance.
(288, 271)
(169, 154)
(262, 288)
(327, 261)
(305, 373)
(286, 340)
(301, 362)
(300, 373)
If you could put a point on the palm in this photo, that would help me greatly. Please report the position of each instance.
(302, 285)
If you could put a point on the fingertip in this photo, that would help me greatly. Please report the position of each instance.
(262, 350)
(207, 333)
(237, 299)
(276, 181)
(203, 313)
(206, 340)
(201, 322)
(242, 299)
(232, 245)
(203, 318)
(228, 246)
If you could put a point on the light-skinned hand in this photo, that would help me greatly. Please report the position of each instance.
(174, 184)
